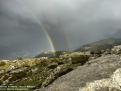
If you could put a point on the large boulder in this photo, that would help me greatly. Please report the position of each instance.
(109, 84)
(116, 49)
(98, 69)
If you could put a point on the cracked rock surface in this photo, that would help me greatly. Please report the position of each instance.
(103, 69)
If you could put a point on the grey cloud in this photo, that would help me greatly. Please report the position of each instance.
(70, 23)
(21, 37)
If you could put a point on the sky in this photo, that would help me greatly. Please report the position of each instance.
(29, 27)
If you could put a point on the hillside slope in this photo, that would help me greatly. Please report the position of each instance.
(38, 72)
(101, 45)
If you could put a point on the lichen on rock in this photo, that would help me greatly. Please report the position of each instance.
(110, 84)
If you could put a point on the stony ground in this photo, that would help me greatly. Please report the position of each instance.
(71, 71)
(97, 69)
(38, 72)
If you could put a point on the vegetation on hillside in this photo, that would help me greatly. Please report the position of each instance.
(101, 45)
(39, 72)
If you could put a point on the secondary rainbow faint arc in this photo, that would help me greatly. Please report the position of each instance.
(42, 27)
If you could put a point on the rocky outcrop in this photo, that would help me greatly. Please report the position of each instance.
(95, 71)
(59, 71)
(72, 71)
(116, 49)
(110, 84)
(38, 72)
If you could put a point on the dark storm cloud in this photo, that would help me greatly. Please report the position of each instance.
(20, 36)
(70, 23)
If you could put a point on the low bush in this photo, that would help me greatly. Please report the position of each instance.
(2, 63)
(17, 76)
(80, 59)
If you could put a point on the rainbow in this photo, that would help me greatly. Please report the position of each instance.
(42, 27)
(53, 44)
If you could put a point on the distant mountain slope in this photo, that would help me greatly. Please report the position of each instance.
(117, 34)
(50, 54)
(101, 45)
(45, 54)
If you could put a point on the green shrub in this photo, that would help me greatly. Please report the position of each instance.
(58, 53)
(80, 59)
(1, 82)
(19, 58)
(5, 77)
(2, 63)
(17, 76)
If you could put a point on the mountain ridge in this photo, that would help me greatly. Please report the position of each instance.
(100, 45)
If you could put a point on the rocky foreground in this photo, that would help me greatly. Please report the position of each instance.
(93, 76)
(100, 74)
(70, 71)
(38, 72)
